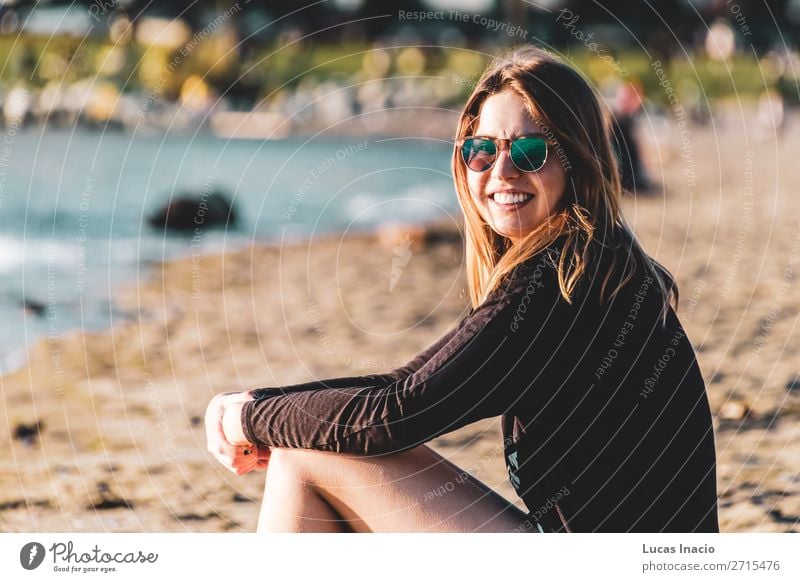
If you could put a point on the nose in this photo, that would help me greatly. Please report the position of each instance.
(503, 166)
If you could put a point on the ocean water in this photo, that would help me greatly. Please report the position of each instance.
(74, 206)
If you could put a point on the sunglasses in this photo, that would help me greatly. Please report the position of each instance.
(528, 153)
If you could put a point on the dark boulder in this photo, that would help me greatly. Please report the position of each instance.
(187, 212)
(34, 307)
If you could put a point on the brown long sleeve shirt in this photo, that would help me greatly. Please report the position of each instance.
(605, 416)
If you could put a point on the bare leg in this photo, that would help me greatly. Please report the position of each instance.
(414, 491)
(292, 504)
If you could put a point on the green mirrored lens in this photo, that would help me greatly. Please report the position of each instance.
(529, 153)
(479, 154)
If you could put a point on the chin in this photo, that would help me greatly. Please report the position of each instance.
(512, 233)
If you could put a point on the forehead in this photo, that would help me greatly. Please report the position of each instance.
(505, 115)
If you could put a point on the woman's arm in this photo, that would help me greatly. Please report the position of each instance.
(369, 380)
(231, 424)
(223, 416)
(482, 370)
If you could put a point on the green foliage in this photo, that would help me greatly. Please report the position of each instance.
(39, 59)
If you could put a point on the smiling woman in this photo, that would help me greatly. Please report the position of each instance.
(514, 197)
(560, 290)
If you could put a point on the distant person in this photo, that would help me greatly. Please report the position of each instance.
(626, 108)
(770, 120)
(572, 339)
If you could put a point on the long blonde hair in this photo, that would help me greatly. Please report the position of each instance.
(578, 128)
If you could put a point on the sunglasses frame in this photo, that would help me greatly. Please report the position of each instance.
(501, 144)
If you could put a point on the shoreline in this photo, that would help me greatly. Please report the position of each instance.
(15, 359)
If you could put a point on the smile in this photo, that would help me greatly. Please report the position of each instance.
(511, 200)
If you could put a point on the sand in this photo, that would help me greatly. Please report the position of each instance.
(120, 442)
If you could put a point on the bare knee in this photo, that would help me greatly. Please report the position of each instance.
(291, 500)
(322, 467)
(304, 466)
(286, 463)
(281, 457)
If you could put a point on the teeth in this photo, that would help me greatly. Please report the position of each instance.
(510, 197)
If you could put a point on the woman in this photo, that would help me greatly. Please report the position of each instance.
(571, 338)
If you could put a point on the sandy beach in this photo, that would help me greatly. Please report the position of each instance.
(105, 430)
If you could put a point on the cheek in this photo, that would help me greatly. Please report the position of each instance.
(476, 185)
(559, 186)
(552, 184)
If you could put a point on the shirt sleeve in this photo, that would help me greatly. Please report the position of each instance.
(479, 370)
(422, 357)
(369, 380)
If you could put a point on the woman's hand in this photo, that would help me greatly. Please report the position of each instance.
(230, 447)
(232, 424)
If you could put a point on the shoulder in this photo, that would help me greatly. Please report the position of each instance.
(534, 281)
(541, 264)
(606, 267)
(624, 283)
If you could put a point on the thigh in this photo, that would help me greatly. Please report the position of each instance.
(414, 491)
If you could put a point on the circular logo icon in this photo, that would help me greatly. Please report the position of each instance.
(31, 555)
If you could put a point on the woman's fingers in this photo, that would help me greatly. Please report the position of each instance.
(245, 466)
(240, 459)
(262, 456)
